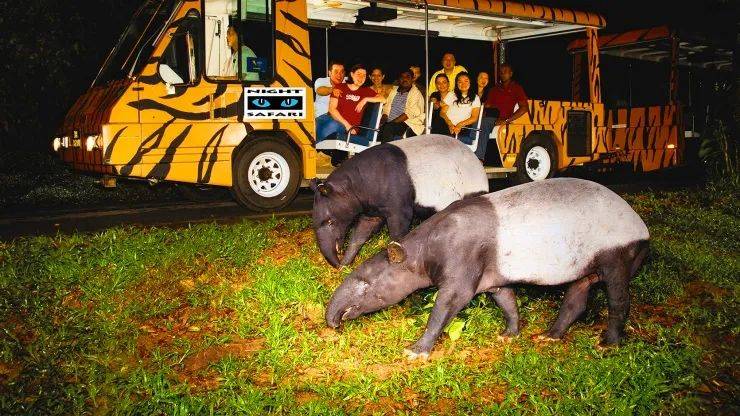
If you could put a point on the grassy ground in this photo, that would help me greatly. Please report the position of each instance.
(41, 181)
(229, 319)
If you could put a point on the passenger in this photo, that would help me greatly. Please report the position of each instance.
(462, 110)
(438, 124)
(229, 67)
(345, 110)
(324, 88)
(482, 85)
(449, 68)
(376, 77)
(403, 110)
(416, 71)
(505, 95)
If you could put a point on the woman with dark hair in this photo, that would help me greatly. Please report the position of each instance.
(377, 76)
(482, 85)
(462, 106)
(438, 123)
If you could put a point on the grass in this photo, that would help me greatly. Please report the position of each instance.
(227, 319)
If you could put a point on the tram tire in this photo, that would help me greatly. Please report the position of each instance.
(266, 175)
(535, 150)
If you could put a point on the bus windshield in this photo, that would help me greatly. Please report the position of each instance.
(136, 42)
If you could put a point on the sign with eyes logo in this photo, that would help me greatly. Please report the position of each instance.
(274, 103)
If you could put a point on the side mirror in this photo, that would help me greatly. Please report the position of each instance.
(170, 77)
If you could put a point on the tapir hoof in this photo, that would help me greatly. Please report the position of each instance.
(608, 341)
(413, 356)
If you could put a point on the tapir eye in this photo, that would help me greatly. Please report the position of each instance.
(289, 102)
(261, 102)
(329, 222)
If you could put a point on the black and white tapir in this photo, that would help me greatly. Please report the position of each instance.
(391, 183)
(549, 232)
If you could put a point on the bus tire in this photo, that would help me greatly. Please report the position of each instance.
(537, 160)
(266, 174)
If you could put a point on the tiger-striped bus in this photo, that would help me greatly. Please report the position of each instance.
(218, 92)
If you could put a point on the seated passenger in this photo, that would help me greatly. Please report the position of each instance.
(376, 77)
(231, 65)
(403, 112)
(449, 68)
(438, 123)
(324, 88)
(462, 110)
(505, 95)
(416, 70)
(345, 106)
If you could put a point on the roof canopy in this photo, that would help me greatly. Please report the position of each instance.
(465, 19)
(654, 44)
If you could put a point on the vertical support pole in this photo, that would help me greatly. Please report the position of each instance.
(594, 73)
(673, 100)
(502, 52)
(673, 93)
(495, 45)
(575, 82)
(426, 62)
(326, 48)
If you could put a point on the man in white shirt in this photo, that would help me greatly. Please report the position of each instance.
(403, 110)
(324, 88)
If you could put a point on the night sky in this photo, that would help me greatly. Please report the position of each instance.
(56, 48)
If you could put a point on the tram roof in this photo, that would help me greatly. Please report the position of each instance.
(464, 19)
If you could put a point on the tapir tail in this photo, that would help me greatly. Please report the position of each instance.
(643, 249)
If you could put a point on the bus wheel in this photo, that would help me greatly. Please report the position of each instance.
(536, 160)
(267, 175)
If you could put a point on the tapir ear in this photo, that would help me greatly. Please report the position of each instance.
(396, 252)
(324, 188)
(314, 184)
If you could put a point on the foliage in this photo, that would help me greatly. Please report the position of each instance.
(51, 51)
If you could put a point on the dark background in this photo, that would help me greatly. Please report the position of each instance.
(51, 51)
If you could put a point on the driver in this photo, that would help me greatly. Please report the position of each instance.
(229, 67)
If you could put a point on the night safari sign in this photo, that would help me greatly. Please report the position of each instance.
(274, 103)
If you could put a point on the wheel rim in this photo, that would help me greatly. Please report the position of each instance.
(537, 163)
(268, 174)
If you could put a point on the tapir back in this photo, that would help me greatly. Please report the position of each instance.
(549, 232)
(443, 170)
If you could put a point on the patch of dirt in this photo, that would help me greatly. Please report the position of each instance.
(9, 372)
(195, 368)
(16, 325)
(303, 397)
(443, 406)
(286, 245)
(384, 405)
(161, 332)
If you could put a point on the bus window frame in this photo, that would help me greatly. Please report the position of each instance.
(273, 47)
(194, 75)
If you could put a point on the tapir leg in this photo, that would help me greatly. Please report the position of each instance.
(573, 306)
(617, 282)
(450, 301)
(365, 227)
(399, 222)
(506, 300)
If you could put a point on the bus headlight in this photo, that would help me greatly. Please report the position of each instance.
(92, 142)
(56, 144)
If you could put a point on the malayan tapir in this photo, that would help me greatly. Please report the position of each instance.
(391, 183)
(549, 232)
